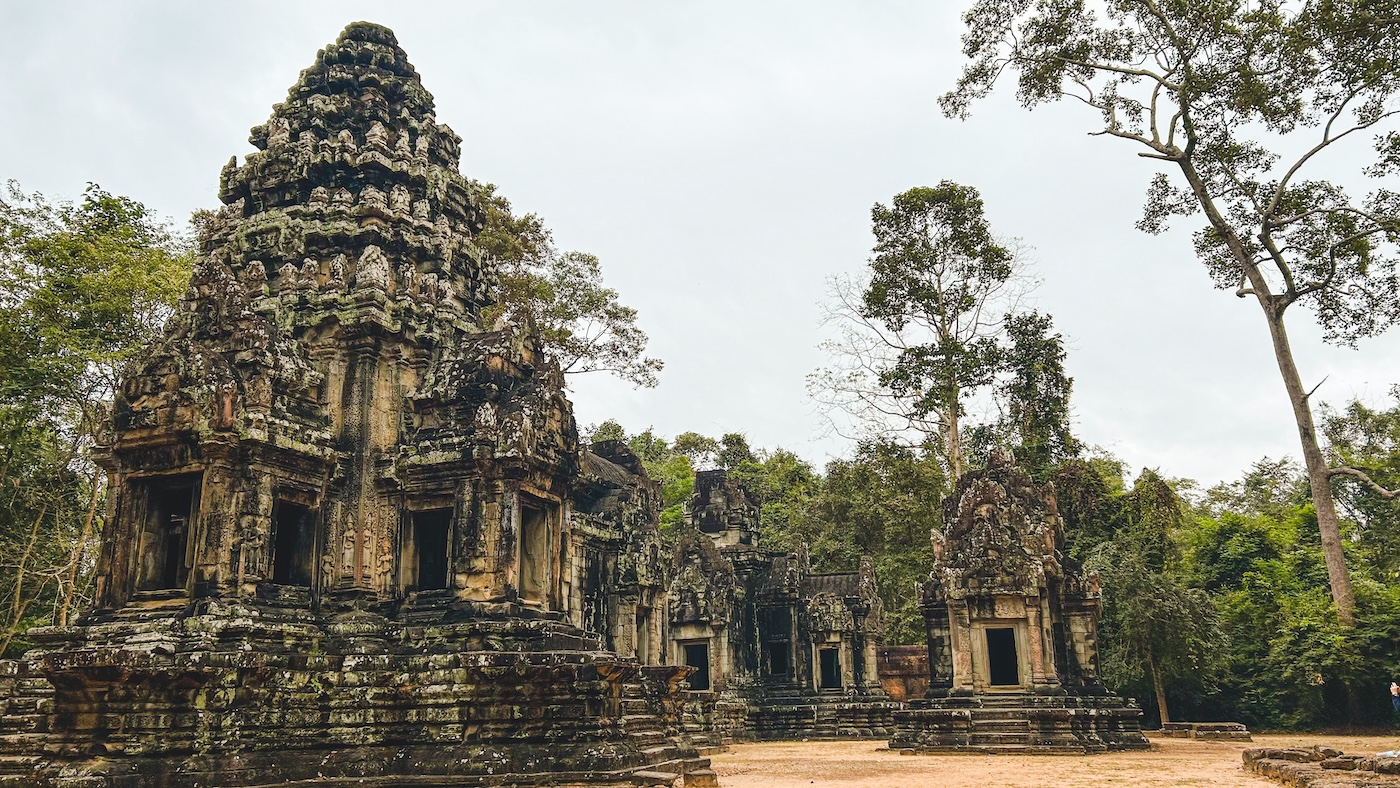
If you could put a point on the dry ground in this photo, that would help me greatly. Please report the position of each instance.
(1171, 762)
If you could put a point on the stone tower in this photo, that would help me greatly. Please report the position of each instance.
(341, 543)
(1012, 630)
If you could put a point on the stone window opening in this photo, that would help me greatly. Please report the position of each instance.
(165, 536)
(775, 633)
(778, 658)
(830, 668)
(697, 655)
(534, 551)
(293, 544)
(1003, 669)
(425, 554)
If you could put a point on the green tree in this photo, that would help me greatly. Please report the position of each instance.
(883, 502)
(734, 451)
(924, 334)
(83, 286)
(1037, 393)
(581, 321)
(1368, 438)
(1223, 95)
(1157, 629)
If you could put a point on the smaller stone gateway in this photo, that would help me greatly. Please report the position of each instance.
(1012, 631)
(779, 651)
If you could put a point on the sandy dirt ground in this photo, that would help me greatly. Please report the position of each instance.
(1171, 762)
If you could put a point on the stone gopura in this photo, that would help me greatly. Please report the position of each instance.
(1012, 631)
(779, 651)
(352, 537)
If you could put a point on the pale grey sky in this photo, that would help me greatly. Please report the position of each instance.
(721, 159)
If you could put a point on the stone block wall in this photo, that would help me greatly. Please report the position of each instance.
(904, 671)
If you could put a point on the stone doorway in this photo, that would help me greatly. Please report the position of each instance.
(425, 563)
(697, 655)
(1002, 666)
(643, 636)
(778, 659)
(165, 536)
(293, 544)
(534, 551)
(830, 668)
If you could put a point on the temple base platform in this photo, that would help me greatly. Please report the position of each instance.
(1019, 724)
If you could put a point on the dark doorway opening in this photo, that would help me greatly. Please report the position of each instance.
(428, 567)
(293, 544)
(778, 658)
(831, 668)
(534, 553)
(165, 535)
(644, 635)
(697, 655)
(1002, 667)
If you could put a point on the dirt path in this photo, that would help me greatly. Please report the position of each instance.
(1171, 762)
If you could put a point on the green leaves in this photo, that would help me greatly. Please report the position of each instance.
(1222, 90)
(925, 330)
(582, 323)
(83, 287)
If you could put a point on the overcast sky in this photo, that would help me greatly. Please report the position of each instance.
(721, 159)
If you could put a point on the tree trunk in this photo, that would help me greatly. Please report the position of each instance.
(1319, 480)
(1161, 690)
(19, 606)
(955, 460)
(78, 551)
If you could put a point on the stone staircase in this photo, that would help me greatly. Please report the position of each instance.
(655, 736)
(1018, 724)
(25, 703)
(822, 717)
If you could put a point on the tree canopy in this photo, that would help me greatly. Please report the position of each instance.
(1240, 102)
(582, 322)
(83, 286)
(936, 321)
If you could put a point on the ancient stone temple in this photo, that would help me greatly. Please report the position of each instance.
(778, 650)
(352, 536)
(1012, 631)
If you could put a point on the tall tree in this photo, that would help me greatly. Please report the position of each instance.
(1158, 629)
(924, 335)
(1037, 393)
(1223, 94)
(583, 323)
(83, 286)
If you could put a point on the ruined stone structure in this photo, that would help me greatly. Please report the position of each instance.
(352, 536)
(778, 650)
(904, 671)
(1012, 630)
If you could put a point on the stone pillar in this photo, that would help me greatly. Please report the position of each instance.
(859, 612)
(940, 662)
(627, 634)
(1035, 642)
(964, 678)
(211, 534)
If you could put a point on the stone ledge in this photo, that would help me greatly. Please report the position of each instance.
(1322, 767)
(1207, 731)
